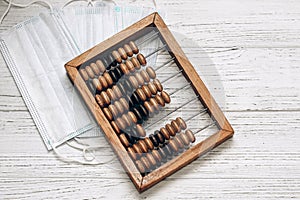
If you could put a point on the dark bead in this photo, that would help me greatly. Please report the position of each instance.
(118, 72)
(106, 63)
(159, 137)
(143, 112)
(129, 137)
(130, 102)
(113, 76)
(154, 140)
(134, 98)
(138, 115)
(111, 60)
(122, 89)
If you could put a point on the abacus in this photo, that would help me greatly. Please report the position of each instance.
(144, 119)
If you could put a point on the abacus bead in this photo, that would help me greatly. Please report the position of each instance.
(117, 91)
(158, 85)
(127, 85)
(146, 91)
(134, 83)
(97, 84)
(174, 146)
(143, 112)
(100, 66)
(130, 66)
(124, 104)
(140, 166)
(122, 53)
(130, 139)
(155, 104)
(108, 78)
(153, 140)
(165, 96)
(141, 59)
(121, 124)
(152, 88)
(105, 97)
(100, 101)
(132, 153)
(128, 50)
(122, 89)
(113, 76)
(118, 72)
(124, 69)
(149, 108)
(160, 137)
(137, 149)
(103, 81)
(126, 120)
(184, 138)
(165, 133)
(190, 135)
(140, 130)
(139, 78)
(162, 153)
(156, 155)
(134, 48)
(111, 94)
(117, 56)
(159, 100)
(95, 68)
(132, 117)
(138, 115)
(145, 76)
(181, 123)
(108, 114)
(106, 63)
(179, 142)
(151, 159)
(134, 98)
(167, 150)
(146, 163)
(115, 127)
(135, 63)
(151, 72)
(149, 143)
(114, 111)
(111, 60)
(124, 140)
(90, 71)
(119, 107)
(84, 74)
(141, 94)
(175, 126)
(170, 130)
(143, 146)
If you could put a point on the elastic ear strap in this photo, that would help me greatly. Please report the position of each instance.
(10, 3)
(90, 2)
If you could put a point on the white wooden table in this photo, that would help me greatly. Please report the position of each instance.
(255, 46)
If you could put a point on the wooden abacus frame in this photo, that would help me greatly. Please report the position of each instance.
(225, 130)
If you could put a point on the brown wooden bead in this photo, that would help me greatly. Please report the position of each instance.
(140, 130)
(145, 76)
(100, 66)
(119, 107)
(190, 135)
(100, 101)
(152, 88)
(117, 91)
(151, 72)
(134, 48)
(160, 137)
(143, 146)
(128, 50)
(108, 78)
(173, 145)
(181, 123)
(158, 85)
(124, 69)
(175, 126)
(115, 127)
(132, 153)
(165, 133)
(130, 66)
(121, 124)
(105, 97)
(126, 119)
(165, 96)
(184, 138)
(103, 82)
(124, 140)
(117, 56)
(160, 100)
(132, 117)
(149, 143)
(155, 104)
(134, 83)
(108, 114)
(89, 71)
(141, 59)
(139, 78)
(147, 91)
(137, 149)
(149, 108)
(124, 104)
(141, 94)
(156, 155)
(140, 166)
(151, 159)
(95, 68)
(111, 94)
(122, 53)
(136, 63)
(146, 163)
(170, 130)
(97, 84)
(84, 74)
(114, 111)
(179, 142)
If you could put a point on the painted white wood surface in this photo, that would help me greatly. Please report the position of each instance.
(254, 45)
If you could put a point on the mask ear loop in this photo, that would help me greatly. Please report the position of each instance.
(10, 4)
(90, 2)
